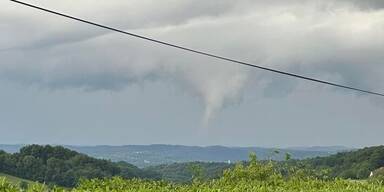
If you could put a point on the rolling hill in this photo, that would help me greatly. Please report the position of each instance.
(152, 155)
(64, 167)
(356, 164)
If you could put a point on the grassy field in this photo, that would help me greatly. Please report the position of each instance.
(272, 184)
(14, 180)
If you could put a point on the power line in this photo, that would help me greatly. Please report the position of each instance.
(200, 52)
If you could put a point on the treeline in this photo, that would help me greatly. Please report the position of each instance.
(64, 167)
(353, 165)
(185, 172)
(356, 164)
(60, 166)
(253, 176)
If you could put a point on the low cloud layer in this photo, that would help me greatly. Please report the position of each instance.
(340, 41)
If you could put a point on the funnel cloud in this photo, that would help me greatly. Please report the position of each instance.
(340, 41)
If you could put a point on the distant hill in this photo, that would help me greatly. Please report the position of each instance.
(63, 167)
(58, 165)
(334, 149)
(10, 148)
(356, 164)
(151, 155)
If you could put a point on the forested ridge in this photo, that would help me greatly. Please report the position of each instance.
(57, 165)
(64, 167)
(253, 176)
(356, 164)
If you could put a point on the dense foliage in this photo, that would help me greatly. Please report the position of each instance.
(183, 172)
(354, 165)
(60, 166)
(64, 167)
(251, 177)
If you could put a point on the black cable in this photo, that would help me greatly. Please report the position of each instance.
(200, 52)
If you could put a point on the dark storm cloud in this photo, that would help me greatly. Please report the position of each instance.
(339, 41)
(368, 4)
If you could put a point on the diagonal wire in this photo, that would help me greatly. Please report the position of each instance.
(201, 52)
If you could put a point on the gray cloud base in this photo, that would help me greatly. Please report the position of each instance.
(339, 41)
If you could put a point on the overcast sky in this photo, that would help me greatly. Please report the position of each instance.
(63, 82)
